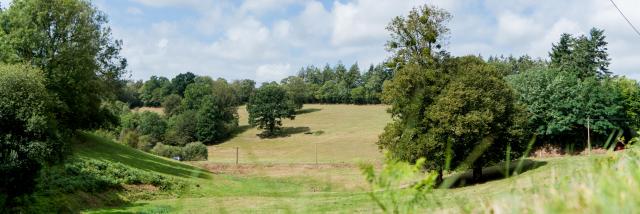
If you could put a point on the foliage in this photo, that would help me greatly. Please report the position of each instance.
(28, 135)
(167, 150)
(171, 105)
(448, 113)
(243, 89)
(152, 124)
(130, 93)
(296, 90)
(83, 182)
(215, 120)
(629, 90)
(584, 56)
(399, 187)
(194, 151)
(130, 138)
(154, 90)
(181, 81)
(195, 93)
(268, 106)
(559, 103)
(181, 128)
(68, 40)
(417, 37)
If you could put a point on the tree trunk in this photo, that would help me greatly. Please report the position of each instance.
(477, 172)
(439, 179)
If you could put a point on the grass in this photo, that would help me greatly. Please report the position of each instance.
(277, 175)
(342, 134)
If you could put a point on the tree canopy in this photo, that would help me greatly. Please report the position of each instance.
(268, 106)
(70, 41)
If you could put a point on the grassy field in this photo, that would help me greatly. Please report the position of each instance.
(342, 134)
(278, 176)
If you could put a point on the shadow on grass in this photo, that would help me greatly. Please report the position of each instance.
(306, 111)
(285, 132)
(102, 149)
(239, 130)
(491, 173)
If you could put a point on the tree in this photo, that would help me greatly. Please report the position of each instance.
(629, 91)
(153, 125)
(182, 128)
(28, 135)
(171, 105)
(559, 104)
(268, 106)
(216, 120)
(181, 81)
(70, 41)
(296, 90)
(154, 90)
(353, 76)
(476, 113)
(243, 89)
(445, 113)
(130, 94)
(416, 38)
(195, 93)
(584, 56)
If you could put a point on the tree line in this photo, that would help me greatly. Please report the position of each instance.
(459, 112)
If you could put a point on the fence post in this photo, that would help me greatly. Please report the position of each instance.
(236, 155)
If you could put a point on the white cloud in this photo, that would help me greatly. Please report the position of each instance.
(134, 11)
(272, 72)
(267, 39)
(163, 43)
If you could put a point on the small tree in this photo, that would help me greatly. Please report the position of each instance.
(216, 119)
(268, 106)
(171, 105)
(28, 138)
(153, 125)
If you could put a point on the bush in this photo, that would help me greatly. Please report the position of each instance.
(171, 104)
(145, 143)
(216, 120)
(182, 129)
(153, 125)
(167, 150)
(194, 151)
(28, 135)
(130, 138)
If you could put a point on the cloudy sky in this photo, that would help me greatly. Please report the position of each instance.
(269, 39)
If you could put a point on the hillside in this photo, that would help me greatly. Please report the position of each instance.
(327, 187)
(341, 134)
(147, 183)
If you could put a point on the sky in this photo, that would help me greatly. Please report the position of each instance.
(267, 40)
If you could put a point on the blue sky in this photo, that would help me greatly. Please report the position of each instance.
(267, 40)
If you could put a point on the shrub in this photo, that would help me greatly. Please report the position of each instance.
(171, 104)
(153, 125)
(145, 143)
(182, 129)
(216, 119)
(28, 137)
(130, 138)
(167, 150)
(194, 151)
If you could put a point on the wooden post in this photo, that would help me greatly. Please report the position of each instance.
(236, 155)
(588, 136)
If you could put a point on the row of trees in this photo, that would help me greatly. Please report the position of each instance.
(58, 67)
(467, 112)
(339, 85)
